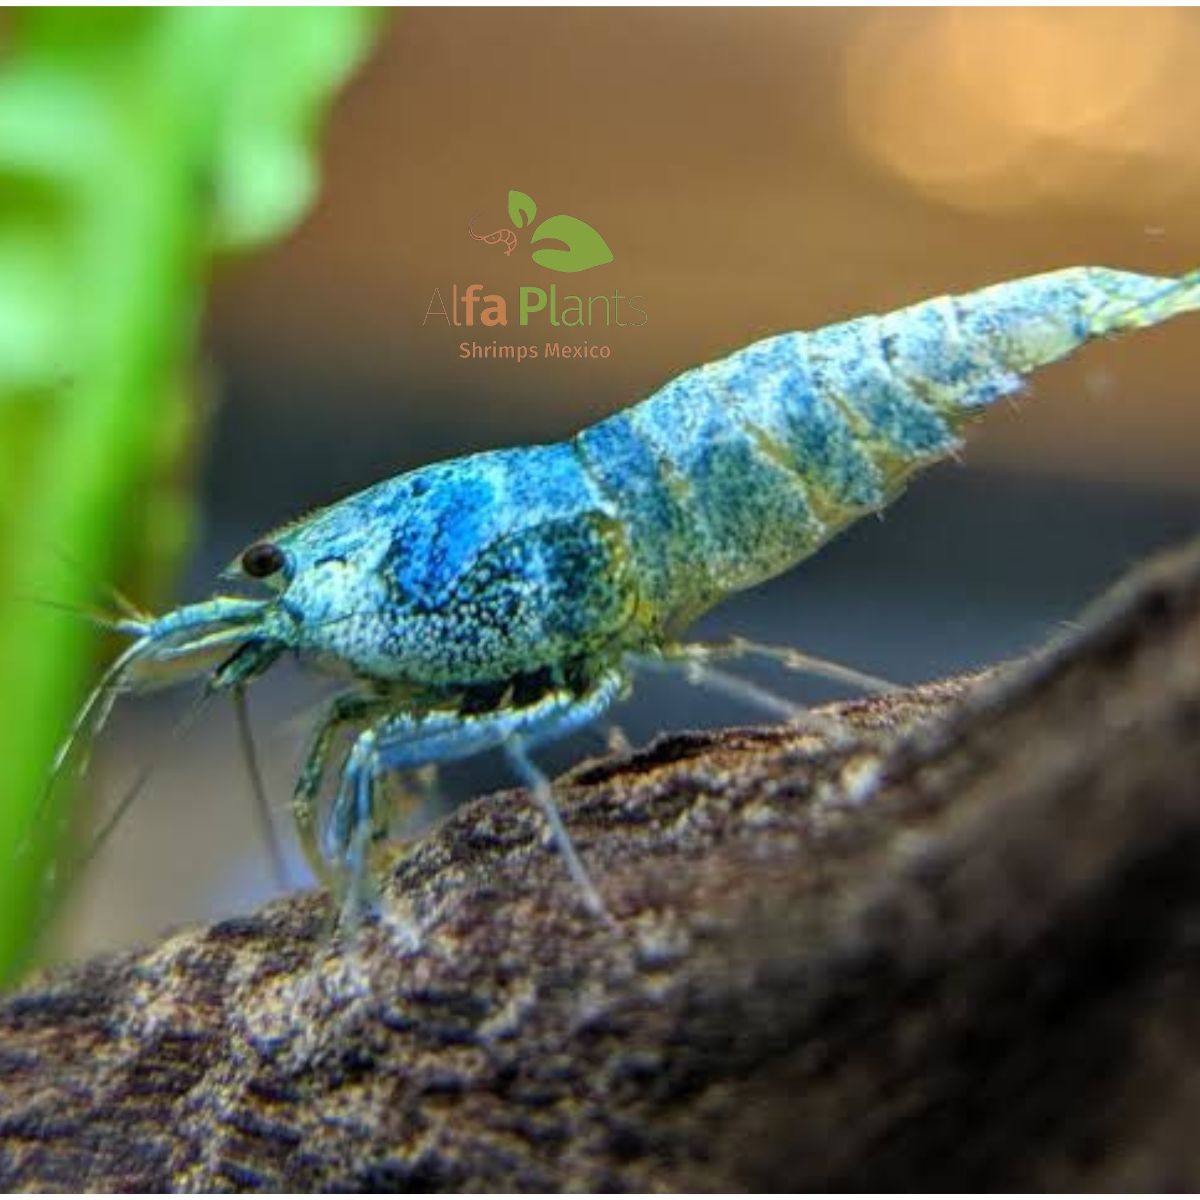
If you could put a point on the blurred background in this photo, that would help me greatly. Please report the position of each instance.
(753, 171)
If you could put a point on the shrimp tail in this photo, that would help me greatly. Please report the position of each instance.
(1143, 300)
(991, 338)
(736, 470)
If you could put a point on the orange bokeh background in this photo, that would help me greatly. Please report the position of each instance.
(753, 170)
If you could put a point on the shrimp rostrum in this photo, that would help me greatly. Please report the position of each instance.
(504, 599)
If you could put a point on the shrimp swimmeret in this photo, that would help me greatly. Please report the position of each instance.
(504, 599)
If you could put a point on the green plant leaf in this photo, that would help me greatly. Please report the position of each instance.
(521, 209)
(585, 247)
(132, 142)
(263, 176)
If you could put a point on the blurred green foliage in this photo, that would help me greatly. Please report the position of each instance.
(134, 145)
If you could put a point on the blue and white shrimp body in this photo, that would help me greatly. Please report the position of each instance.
(503, 599)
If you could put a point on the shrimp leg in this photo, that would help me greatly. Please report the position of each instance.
(789, 658)
(543, 793)
(347, 708)
(406, 741)
(692, 661)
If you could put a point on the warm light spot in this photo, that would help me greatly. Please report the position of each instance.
(999, 108)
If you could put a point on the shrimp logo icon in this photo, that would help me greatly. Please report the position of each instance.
(585, 248)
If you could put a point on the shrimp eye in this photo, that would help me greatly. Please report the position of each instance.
(263, 559)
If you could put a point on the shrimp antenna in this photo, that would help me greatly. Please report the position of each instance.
(262, 807)
(118, 598)
(181, 727)
(92, 715)
(102, 835)
(96, 616)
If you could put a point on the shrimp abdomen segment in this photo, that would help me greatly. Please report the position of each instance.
(738, 469)
(965, 351)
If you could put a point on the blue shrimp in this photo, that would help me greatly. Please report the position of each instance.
(504, 599)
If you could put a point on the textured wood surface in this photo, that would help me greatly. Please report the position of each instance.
(959, 949)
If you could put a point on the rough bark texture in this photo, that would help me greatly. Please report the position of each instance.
(961, 952)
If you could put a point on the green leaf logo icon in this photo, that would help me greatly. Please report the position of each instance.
(521, 209)
(585, 247)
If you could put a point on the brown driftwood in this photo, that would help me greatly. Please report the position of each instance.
(963, 951)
